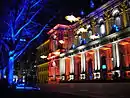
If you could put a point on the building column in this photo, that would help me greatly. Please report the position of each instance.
(97, 63)
(98, 58)
(107, 16)
(72, 64)
(95, 59)
(116, 57)
(83, 64)
(72, 67)
(62, 68)
(115, 50)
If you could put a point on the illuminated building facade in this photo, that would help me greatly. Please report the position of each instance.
(101, 46)
(96, 47)
(42, 62)
(60, 41)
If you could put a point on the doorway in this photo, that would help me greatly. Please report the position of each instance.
(90, 69)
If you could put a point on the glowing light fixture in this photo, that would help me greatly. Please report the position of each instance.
(70, 51)
(116, 28)
(81, 47)
(61, 42)
(115, 11)
(54, 36)
(72, 18)
(100, 20)
(104, 66)
(73, 46)
(82, 12)
(54, 63)
(57, 53)
(92, 4)
(102, 29)
(43, 56)
(81, 30)
(63, 54)
(88, 26)
(94, 37)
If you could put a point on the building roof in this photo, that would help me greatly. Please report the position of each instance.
(46, 42)
(58, 27)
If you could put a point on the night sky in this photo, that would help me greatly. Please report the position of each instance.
(60, 8)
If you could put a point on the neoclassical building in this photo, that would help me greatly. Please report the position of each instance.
(60, 42)
(101, 46)
(42, 63)
(95, 47)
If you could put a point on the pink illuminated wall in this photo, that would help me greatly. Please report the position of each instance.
(58, 33)
(89, 56)
(67, 68)
(107, 52)
(125, 54)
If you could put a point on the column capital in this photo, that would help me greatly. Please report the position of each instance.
(116, 41)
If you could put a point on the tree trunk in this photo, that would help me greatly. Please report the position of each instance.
(2, 71)
(2, 74)
(10, 69)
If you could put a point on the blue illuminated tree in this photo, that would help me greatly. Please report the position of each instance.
(22, 29)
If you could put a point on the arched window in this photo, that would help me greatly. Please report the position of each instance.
(101, 26)
(80, 39)
(117, 18)
(89, 33)
(118, 21)
(102, 29)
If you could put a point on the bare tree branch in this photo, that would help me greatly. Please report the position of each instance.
(19, 53)
(5, 45)
(20, 14)
(27, 23)
(35, 4)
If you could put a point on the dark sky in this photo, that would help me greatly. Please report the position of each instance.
(60, 8)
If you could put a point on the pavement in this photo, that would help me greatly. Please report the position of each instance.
(91, 90)
(36, 94)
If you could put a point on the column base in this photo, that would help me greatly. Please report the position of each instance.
(116, 71)
(62, 78)
(97, 75)
(127, 74)
(109, 75)
(71, 77)
(82, 76)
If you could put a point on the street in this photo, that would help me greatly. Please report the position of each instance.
(37, 94)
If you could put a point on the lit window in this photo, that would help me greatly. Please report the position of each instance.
(118, 21)
(115, 14)
(88, 26)
(115, 11)
(102, 29)
(101, 26)
(80, 39)
(90, 32)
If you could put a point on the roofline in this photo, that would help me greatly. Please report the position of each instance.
(46, 42)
